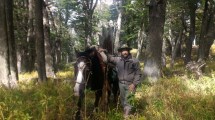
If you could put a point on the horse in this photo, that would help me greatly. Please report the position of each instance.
(92, 72)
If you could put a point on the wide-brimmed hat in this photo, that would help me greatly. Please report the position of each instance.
(124, 47)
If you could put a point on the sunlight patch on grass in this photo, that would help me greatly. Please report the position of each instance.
(212, 50)
(65, 74)
(27, 77)
(203, 86)
(174, 98)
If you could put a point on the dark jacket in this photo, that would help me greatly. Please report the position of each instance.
(128, 70)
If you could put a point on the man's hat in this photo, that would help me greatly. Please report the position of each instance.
(124, 47)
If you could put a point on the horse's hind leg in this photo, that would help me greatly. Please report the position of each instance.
(98, 95)
(115, 90)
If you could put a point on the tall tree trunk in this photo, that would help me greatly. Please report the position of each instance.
(8, 67)
(11, 43)
(30, 37)
(211, 30)
(118, 29)
(163, 56)
(175, 47)
(192, 7)
(140, 40)
(54, 45)
(152, 67)
(206, 39)
(88, 8)
(39, 34)
(48, 47)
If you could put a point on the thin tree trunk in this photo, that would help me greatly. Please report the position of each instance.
(163, 56)
(11, 44)
(4, 78)
(54, 47)
(189, 42)
(30, 38)
(48, 54)
(88, 7)
(140, 40)
(176, 47)
(152, 66)
(118, 29)
(211, 29)
(39, 34)
(204, 29)
(8, 67)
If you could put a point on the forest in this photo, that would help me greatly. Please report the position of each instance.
(172, 39)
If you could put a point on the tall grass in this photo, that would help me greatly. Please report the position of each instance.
(47, 101)
(174, 97)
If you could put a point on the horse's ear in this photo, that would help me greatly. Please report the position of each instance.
(76, 52)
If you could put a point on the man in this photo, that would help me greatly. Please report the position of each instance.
(129, 75)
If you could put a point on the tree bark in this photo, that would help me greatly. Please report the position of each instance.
(118, 29)
(39, 34)
(30, 38)
(140, 40)
(88, 8)
(152, 67)
(206, 40)
(211, 30)
(175, 47)
(192, 8)
(48, 48)
(8, 67)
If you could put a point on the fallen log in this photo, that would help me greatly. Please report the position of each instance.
(196, 68)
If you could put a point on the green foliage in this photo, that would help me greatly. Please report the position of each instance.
(134, 16)
(102, 12)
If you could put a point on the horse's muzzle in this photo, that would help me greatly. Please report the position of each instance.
(76, 94)
(76, 91)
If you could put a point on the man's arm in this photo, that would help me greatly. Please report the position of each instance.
(138, 74)
(113, 59)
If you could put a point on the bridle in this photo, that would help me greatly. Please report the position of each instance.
(88, 63)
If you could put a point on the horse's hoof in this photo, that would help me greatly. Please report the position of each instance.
(78, 115)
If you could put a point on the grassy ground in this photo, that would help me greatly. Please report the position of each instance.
(177, 96)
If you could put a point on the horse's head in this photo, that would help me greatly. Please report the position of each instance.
(82, 69)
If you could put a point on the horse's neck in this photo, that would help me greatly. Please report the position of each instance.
(101, 58)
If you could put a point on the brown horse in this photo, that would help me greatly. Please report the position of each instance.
(92, 72)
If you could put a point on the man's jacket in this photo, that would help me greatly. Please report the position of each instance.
(128, 70)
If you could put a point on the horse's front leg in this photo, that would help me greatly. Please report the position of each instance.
(98, 95)
(79, 104)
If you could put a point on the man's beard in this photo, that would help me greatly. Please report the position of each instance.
(124, 55)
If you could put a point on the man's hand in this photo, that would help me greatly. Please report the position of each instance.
(131, 87)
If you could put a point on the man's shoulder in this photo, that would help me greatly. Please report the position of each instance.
(135, 60)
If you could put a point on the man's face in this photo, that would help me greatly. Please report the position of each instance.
(124, 53)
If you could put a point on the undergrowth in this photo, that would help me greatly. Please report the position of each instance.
(175, 97)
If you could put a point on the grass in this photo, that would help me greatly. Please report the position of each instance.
(174, 97)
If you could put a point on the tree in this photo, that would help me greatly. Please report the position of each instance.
(192, 12)
(118, 28)
(207, 30)
(39, 35)
(8, 67)
(30, 38)
(48, 48)
(152, 66)
(88, 7)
